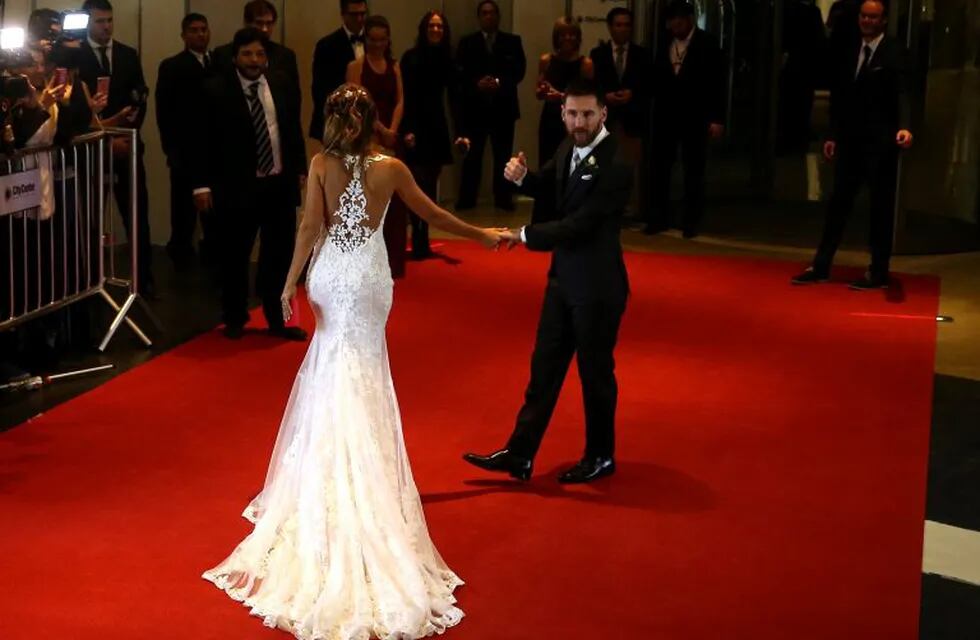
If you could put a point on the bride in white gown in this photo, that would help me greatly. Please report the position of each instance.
(340, 548)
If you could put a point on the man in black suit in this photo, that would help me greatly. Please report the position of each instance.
(332, 55)
(869, 116)
(125, 106)
(688, 109)
(262, 15)
(249, 168)
(586, 291)
(622, 71)
(492, 64)
(180, 82)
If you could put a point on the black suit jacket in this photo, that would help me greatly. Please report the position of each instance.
(507, 63)
(282, 61)
(582, 229)
(180, 83)
(636, 77)
(225, 159)
(330, 59)
(872, 107)
(695, 96)
(127, 81)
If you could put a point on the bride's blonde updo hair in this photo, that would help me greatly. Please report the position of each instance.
(350, 114)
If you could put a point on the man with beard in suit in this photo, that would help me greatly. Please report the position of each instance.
(869, 122)
(180, 81)
(587, 287)
(332, 55)
(250, 167)
(262, 15)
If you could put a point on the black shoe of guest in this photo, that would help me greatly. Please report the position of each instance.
(234, 331)
(653, 229)
(689, 234)
(288, 333)
(869, 282)
(587, 470)
(810, 276)
(504, 461)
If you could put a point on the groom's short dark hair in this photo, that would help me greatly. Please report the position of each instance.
(584, 87)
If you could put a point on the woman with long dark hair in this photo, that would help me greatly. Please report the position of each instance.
(556, 70)
(428, 73)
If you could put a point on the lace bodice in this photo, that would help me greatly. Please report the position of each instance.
(351, 226)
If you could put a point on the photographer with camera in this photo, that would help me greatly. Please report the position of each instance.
(114, 76)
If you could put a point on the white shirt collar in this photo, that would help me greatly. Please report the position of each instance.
(686, 41)
(199, 56)
(246, 83)
(626, 46)
(95, 45)
(873, 44)
(351, 34)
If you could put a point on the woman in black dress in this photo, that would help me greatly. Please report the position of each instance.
(555, 71)
(428, 72)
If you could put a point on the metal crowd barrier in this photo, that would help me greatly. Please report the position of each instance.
(56, 231)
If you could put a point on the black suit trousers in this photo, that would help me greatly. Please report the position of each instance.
(876, 166)
(501, 134)
(692, 141)
(588, 332)
(269, 213)
(183, 215)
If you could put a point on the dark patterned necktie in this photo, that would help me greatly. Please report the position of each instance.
(620, 61)
(263, 143)
(104, 60)
(866, 63)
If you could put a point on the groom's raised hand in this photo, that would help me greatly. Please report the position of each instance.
(516, 168)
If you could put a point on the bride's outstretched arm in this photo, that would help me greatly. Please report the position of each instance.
(417, 201)
(309, 228)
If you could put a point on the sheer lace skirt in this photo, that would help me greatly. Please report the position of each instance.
(340, 548)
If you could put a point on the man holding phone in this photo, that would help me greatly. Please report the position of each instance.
(114, 77)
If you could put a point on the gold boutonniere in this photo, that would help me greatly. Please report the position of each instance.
(591, 162)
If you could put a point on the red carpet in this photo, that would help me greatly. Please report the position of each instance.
(772, 446)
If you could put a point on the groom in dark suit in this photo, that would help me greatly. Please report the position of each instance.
(250, 168)
(587, 286)
(332, 55)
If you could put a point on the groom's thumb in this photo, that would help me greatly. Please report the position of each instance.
(522, 158)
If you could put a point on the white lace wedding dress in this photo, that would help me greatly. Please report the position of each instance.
(340, 548)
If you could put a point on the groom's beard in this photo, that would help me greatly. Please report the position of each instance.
(584, 137)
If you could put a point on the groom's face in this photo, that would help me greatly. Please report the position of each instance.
(584, 117)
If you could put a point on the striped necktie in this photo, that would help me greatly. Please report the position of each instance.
(263, 143)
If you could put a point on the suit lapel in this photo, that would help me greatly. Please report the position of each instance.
(575, 183)
(561, 159)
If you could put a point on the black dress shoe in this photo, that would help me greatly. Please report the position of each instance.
(288, 333)
(587, 470)
(234, 331)
(869, 282)
(653, 229)
(689, 234)
(502, 460)
(810, 276)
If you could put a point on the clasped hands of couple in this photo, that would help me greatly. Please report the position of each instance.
(515, 171)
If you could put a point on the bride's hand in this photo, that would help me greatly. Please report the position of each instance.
(288, 293)
(491, 238)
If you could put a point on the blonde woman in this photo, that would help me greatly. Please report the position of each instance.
(340, 547)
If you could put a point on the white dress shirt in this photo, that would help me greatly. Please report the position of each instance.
(108, 52)
(873, 45)
(357, 46)
(269, 106)
(200, 56)
(582, 153)
(678, 51)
